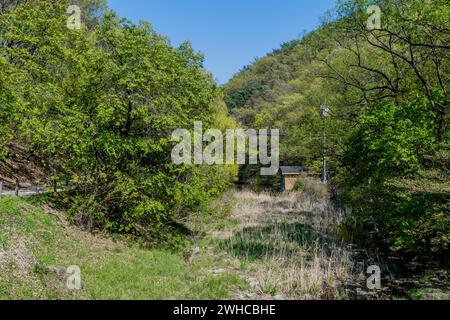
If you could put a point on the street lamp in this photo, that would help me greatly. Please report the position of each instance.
(324, 113)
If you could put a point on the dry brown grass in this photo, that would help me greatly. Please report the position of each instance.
(288, 245)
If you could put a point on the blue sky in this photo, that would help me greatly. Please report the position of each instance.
(230, 33)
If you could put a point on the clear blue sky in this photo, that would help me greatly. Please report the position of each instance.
(230, 33)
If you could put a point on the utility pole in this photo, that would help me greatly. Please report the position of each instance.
(324, 113)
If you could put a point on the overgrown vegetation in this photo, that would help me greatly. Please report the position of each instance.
(388, 137)
(245, 246)
(96, 108)
(288, 245)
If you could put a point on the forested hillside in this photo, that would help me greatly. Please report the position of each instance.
(387, 134)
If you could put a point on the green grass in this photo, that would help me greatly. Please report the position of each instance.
(430, 294)
(33, 243)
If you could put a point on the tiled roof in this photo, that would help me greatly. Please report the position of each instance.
(293, 170)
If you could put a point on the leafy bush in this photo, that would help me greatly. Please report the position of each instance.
(312, 188)
(388, 186)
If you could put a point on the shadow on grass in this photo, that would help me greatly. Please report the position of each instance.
(272, 241)
(37, 200)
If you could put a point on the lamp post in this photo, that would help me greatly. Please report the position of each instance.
(324, 113)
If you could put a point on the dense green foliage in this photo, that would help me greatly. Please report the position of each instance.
(387, 136)
(97, 107)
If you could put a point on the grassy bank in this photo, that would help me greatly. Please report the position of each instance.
(37, 246)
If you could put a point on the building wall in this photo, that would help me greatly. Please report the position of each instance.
(289, 181)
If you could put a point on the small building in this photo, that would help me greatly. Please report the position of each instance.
(290, 175)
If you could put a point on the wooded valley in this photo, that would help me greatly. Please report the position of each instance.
(88, 114)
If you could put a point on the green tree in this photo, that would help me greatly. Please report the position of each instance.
(97, 107)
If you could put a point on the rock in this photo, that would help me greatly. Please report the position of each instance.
(246, 296)
(58, 271)
(218, 271)
(195, 252)
(361, 293)
(442, 274)
(350, 283)
(278, 298)
(351, 246)
(412, 265)
(253, 282)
